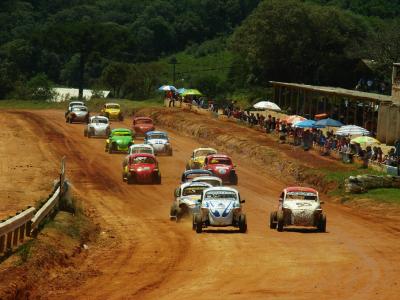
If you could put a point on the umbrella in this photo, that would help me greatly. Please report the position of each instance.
(304, 124)
(181, 90)
(352, 130)
(328, 123)
(266, 105)
(365, 141)
(167, 88)
(293, 119)
(191, 92)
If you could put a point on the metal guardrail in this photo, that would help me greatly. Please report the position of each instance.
(14, 230)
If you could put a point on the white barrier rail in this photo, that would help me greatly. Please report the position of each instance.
(46, 209)
(14, 230)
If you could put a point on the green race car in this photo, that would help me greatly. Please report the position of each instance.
(119, 140)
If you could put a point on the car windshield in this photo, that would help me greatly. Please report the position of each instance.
(100, 120)
(75, 104)
(122, 133)
(158, 136)
(143, 121)
(142, 160)
(112, 106)
(220, 195)
(192, 176)
(75, 108)
(203, 152)
(301, 196)
(213, 182)
(220, 161)
(193, 190)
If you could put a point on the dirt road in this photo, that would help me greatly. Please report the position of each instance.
(142, 255)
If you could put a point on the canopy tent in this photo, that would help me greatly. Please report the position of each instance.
(329, 123)
(191, 92)
(266, 105)
(167, 88)
(352, 130)
(293, 119)
(365, 141)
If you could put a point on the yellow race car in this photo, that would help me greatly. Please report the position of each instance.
(196, 161)
(112, 111)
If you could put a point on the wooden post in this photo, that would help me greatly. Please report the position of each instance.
(28, 228)
(310, 102)
(304, 101)
(347, 111)
(22, 233)
(298, 102)
(340, 109)
(15, 237)
(363, 115)
(373, 118)
(355, 112)
(9, 241)
(280, 96)
(2, 243)
(325, 104)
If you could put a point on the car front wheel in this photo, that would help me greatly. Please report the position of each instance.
(199, 223)
(242, 223)
(280, 220)
(272, 220)
(322, 223)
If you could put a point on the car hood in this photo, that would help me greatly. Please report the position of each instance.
(113, 111)
(99, 125)
(144, 126)
(191, 200)
(199, 159)
(301, 205)
(220, 212)
(122, 140)
(157, 141)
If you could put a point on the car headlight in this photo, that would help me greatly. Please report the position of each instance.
(132, 170)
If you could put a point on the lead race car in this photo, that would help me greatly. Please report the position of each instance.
(97, 126)
(72, 104)
(220, 207)
(187, 197)
(196, 161)
(141, 168)
(78, 114)
(298, 206)
(221, 165)
(159, 141)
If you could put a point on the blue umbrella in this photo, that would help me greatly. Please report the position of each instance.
(305, 124)
(328, 123)
(181, 90)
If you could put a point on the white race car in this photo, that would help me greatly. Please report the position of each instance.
(220, 207)
(213, 180)
(72, 104)
(159, 141)
(97, 126)
(187, 197)
(298, 206)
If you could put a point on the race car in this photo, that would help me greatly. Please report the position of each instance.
(187, 197)
(119, 140)
(159, 141)
(112, 111)
(97, 126)
(221, 165)
(190, 174)
(196, 161)
(72, 104)
(141, 125)
(141, 168)
(213, 180)
(220, 207)
(298, 206)
(78, 114)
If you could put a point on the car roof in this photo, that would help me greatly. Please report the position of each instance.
(204, 148)
(143, 118)
(222, 188)
(121, 129)
(300, 189)
(141, 146)
(207, 177)
(142, 155)
(76, 102)
(218, 156)
(156, 132)
(197, 171)
(98, 117)
(112, 103)
(79, 106)
(186, 184)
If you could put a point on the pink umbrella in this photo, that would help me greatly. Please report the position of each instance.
(294, 119)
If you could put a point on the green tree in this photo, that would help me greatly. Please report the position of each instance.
(114, 76)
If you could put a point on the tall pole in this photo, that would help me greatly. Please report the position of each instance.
(173, 61)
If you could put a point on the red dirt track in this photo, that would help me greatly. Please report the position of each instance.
(142, 255)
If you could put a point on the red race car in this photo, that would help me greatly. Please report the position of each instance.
(221, 165)
(141, 125)
(141, 168)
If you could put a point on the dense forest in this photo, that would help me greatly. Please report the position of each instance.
(116, 44)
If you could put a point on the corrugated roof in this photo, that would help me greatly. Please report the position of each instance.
(336, 91)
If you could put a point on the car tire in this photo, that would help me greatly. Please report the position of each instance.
(273, 220)
(120, 117)
(242, 223)
(199, 223)
(130, 179)
(234, 179)
(158, 180)
(111, 148)
(170, 152)
(91, 133)
(322, 223)
(194, 222)
(280, 221)
(173, 212)
(85, 132)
